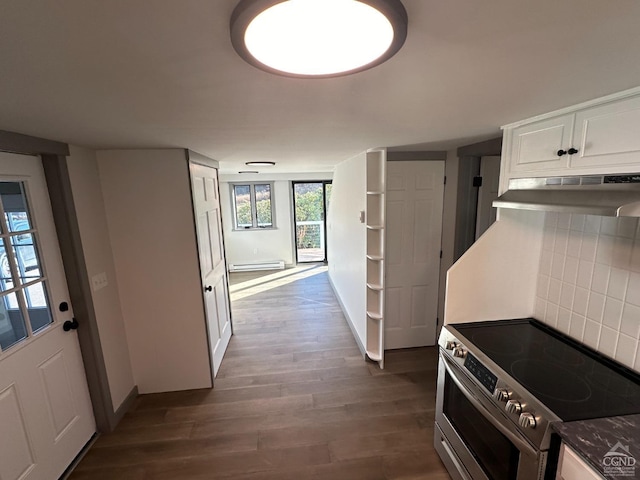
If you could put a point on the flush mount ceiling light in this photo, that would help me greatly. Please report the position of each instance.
(318, 38)
(260, 164)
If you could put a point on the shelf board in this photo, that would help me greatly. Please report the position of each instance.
(375, 227)
(374, 286)
(374, 316)
(376, 357)
(375, 258)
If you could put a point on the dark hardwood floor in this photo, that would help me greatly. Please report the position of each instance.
(294, 399)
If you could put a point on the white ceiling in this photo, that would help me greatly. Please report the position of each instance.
(162, 73)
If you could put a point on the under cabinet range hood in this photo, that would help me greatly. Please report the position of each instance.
(606, 195)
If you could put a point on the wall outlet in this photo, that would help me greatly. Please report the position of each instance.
(99, 281)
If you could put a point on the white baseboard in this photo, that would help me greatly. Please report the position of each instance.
(354, 332)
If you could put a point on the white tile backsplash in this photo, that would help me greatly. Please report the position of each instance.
(592, 224)
(609, 226)
(591, 333)
(588, 247)
(566, 296)
(626, 349)
(570, 270)
(608, 341)
(618, 279)
(596, 307)
(589, 283)
(581, 301)
(633, 289)
(600, 279)
(612, 313)
(630, 325)
(585, 273)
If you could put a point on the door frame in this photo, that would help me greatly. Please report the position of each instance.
(54, 160)
(324, 222)
(467, 195)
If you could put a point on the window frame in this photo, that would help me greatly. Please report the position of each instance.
(252, 201)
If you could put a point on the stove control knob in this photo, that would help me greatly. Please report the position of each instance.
(513, 406)
(450, 345)
(527, 420)
(501, 394)
(459, 352)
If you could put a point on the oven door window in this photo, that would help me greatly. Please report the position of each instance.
(497, 456)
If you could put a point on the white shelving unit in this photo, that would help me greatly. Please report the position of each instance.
(375, 215)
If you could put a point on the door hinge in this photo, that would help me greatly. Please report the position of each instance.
(437, 321)
(440, 253)
(477, 181)
(445, 179)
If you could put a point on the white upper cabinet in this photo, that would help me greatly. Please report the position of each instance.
(608, 135)
(541, 145)
(600, 136)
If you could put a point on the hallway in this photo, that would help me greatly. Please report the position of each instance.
(293, 400)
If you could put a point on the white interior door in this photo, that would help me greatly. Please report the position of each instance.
(212, 260)
(45, 410)
(412, 257)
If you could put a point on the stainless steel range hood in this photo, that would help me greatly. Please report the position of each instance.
(607, 195)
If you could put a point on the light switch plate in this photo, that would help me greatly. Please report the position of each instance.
(99, 281)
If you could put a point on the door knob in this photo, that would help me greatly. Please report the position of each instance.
(70, 325)
(561, 152)
(208, 289)
(572, 151)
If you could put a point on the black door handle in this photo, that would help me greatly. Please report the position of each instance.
(208, 289)
(561, 152)
(70, 325)
(572, 151)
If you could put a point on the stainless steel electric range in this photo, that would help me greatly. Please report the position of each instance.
(502, 384)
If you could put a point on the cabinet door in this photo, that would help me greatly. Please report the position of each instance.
(607, 135)
(534, 147)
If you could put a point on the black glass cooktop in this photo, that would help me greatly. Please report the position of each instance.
(573, 381)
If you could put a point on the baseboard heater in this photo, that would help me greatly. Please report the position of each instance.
(250, 267)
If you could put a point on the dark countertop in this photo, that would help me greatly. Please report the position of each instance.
(592, 439)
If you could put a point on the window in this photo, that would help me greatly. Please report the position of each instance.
(24, 304)
(252, 205)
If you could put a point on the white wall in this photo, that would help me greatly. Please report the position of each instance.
(150, 218)
(589, 282)
(496, 277)
(94, 234)
(254, 246)
(346, 241)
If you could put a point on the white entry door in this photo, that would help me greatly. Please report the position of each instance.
(212, 261)
(45, 410)
(412, 257)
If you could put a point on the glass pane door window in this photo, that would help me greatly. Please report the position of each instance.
(24, 304)
(311, 200)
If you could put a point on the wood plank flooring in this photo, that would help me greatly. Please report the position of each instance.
(294, 399)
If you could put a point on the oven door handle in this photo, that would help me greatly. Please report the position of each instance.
(520, 444)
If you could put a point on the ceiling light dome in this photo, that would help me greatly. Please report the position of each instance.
(318, 38)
